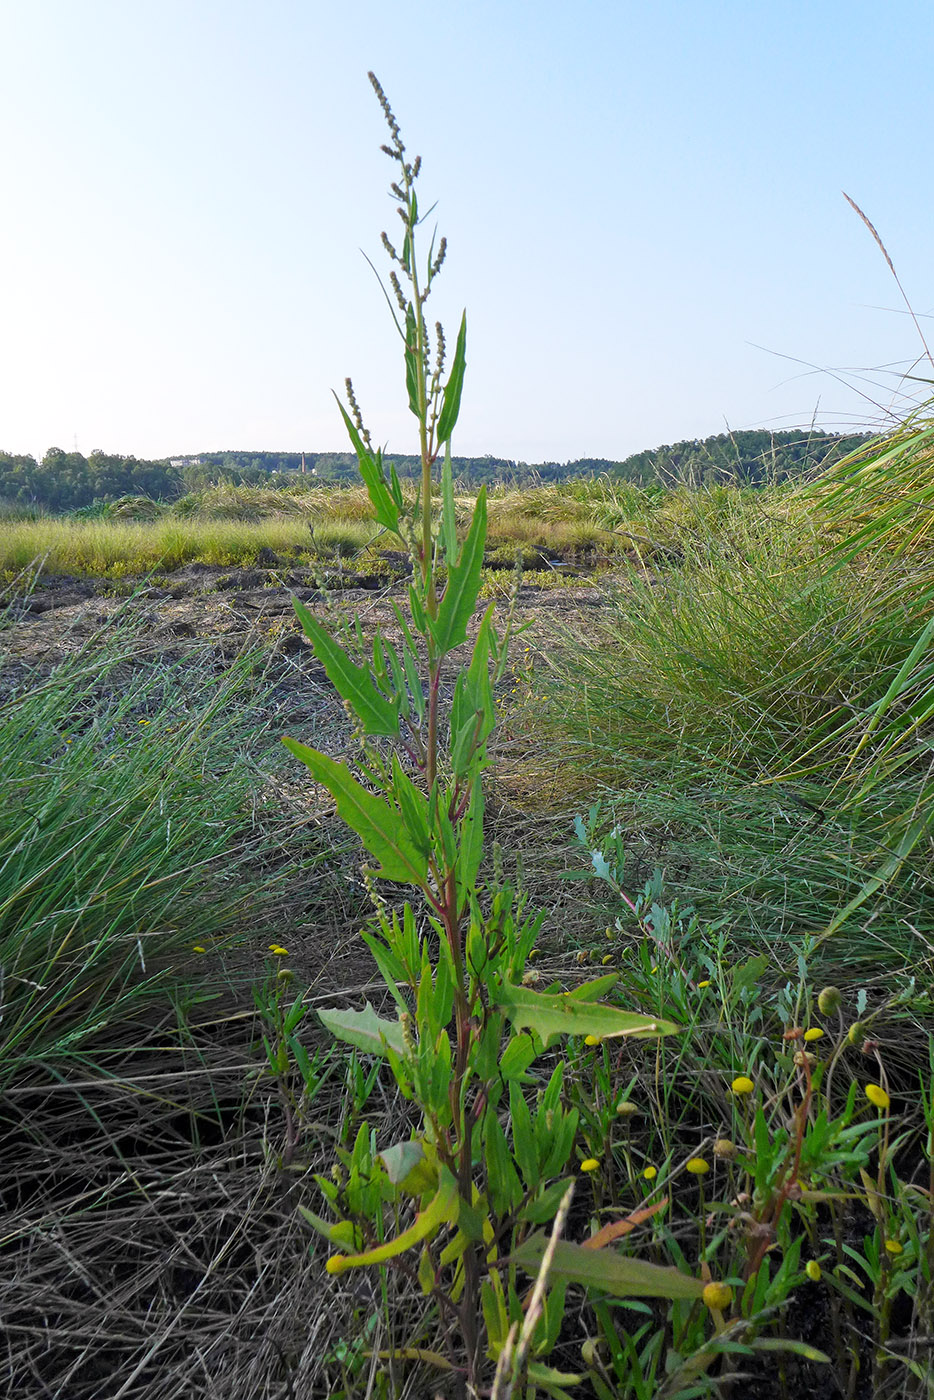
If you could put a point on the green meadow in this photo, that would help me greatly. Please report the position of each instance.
(711, 779)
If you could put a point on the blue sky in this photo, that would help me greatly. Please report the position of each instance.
(642, 200)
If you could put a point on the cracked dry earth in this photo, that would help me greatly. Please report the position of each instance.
(202, 614)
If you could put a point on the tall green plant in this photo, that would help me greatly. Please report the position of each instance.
(487, 1167)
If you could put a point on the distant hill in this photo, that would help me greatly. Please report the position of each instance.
(68, 481)
(752, 457)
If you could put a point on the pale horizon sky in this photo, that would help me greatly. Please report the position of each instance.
(642, 200)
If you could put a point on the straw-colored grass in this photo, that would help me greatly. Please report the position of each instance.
(121, 548)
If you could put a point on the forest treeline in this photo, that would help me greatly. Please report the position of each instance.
(68, 481)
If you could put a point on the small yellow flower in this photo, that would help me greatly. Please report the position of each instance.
(697, 1166)
(877, 1096)
(649, 1173)
(592, 1039)
(717, 1296)
(196, 948)
(812, 1269)
(336, 1264)
(590, 1164)
(626, 1109)
(742, 1084)
(143, 721)
(893, 1247)
(815, 1033)
(278, 949)
(705, 983)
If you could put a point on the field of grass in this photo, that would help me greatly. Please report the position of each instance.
(230, 526)
(743, 731)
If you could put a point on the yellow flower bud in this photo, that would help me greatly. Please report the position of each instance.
(606, 959)
(626, 1109)
(893, 1247)
(649, 1173)
(829, 1001)
(592, 1039)
(742, 1084)
(717, 1296)
(705, 983)
(856, 1034)
(583, 956)
(278, 949)
(877, 1096)
(812, 1269)
(815, 1033)
(697, 1166)
(724, 1149)
(196, 948)
(590, 1164)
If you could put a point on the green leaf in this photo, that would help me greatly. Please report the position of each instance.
(364, 1029)
(334, 1234)
(442, 1208)
(401, 1159)
(478, 673)
(503, 1181)
(451, 406)
(523, 1137)
(379, 826)
(384, 507)
(562, 1014)
(471, 846)
(464, 740)
(460, 595)
(413, 806)
(788, 1344)
(353, 683)
(547, 1378)
(411, 361)
(448, 512)
(617, 1274)
(545, 1207)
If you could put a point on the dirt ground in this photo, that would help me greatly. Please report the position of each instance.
(229, 612)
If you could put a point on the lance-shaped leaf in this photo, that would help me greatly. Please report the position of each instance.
(441, 1209)
(379, 826)
(448, 512)
(563, 1014)
(471, 846)
(352, 682)
(604, 1269)
(411, 361)
(413, 805)
(451, 406)
(384, 507)
(364, 1029)
(460, 595)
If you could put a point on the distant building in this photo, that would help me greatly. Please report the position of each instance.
(184, 461)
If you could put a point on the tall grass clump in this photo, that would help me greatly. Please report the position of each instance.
(126, 838)
(759, 675)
